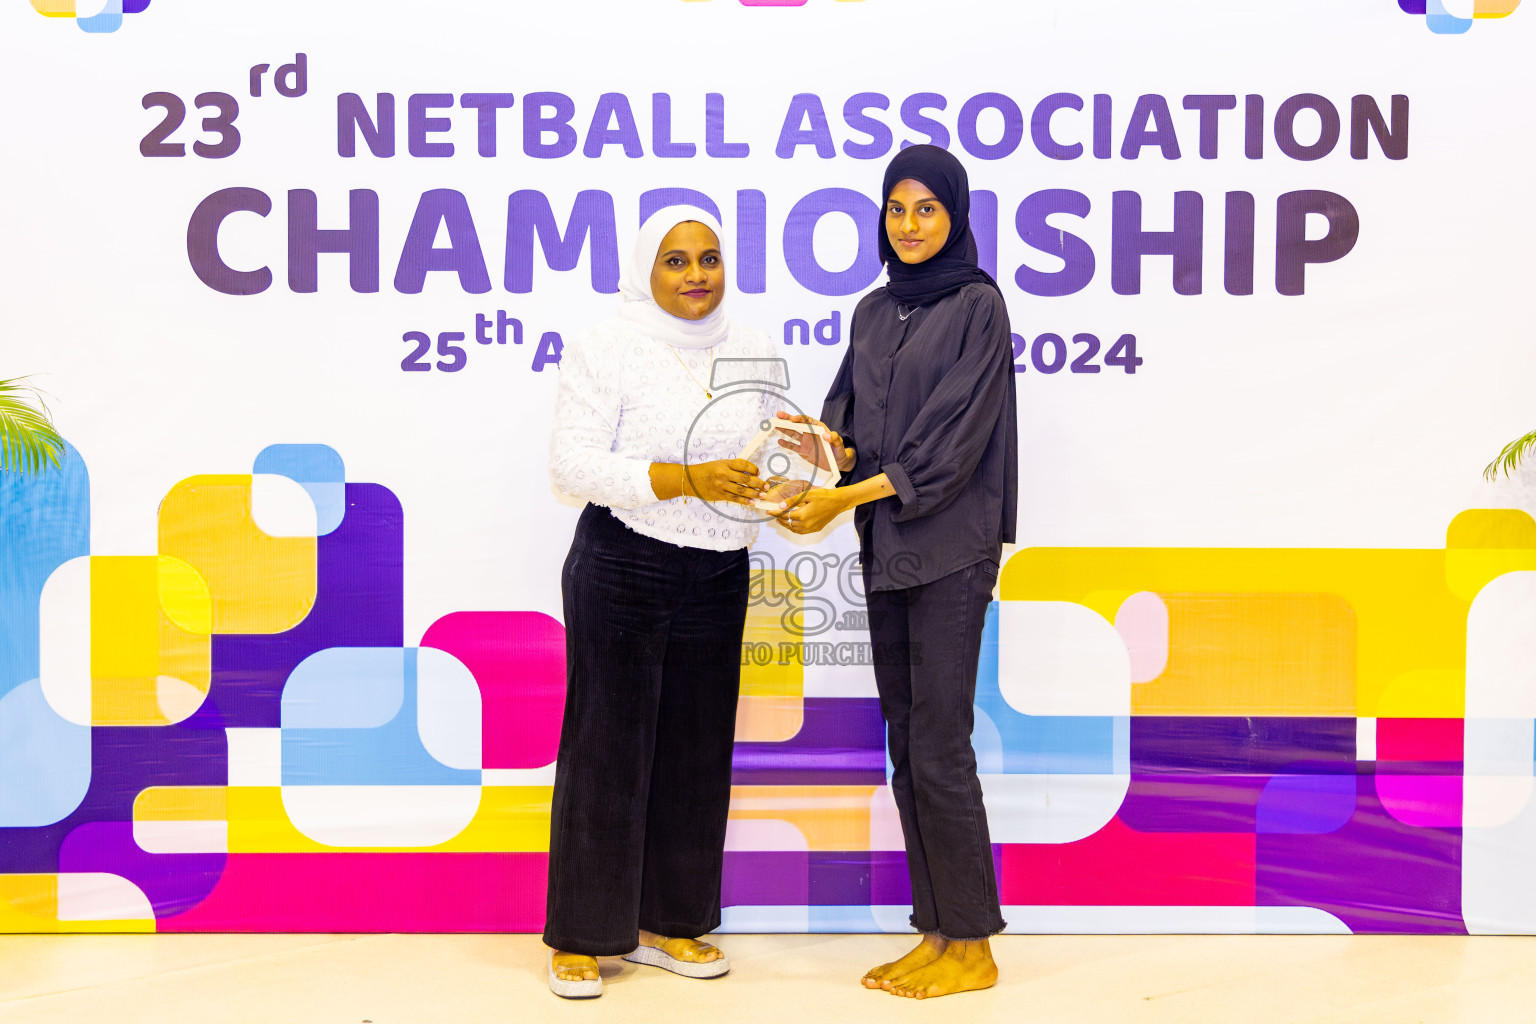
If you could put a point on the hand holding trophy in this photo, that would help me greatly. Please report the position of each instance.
(792, 461)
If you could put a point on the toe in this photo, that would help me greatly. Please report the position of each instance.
(575, 968)
(691, 951)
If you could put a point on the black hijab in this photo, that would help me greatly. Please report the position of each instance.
(955, 265)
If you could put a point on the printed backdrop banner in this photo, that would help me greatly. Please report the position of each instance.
(280, 642)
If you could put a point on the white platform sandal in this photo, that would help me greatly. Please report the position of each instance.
(653, 957)
(583, 989)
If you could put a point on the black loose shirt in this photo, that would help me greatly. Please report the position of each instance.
(929, 401)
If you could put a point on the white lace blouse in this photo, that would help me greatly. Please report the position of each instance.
(627, 400)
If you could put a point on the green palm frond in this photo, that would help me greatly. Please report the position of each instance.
(28, 442)
(1510, 457)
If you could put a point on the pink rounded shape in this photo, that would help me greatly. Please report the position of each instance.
(518, 658)
(1424, 801)
(1142, 622)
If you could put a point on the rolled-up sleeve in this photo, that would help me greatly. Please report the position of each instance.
(942, 446)
(588, 405)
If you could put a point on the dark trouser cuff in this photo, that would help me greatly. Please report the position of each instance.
(973, 938)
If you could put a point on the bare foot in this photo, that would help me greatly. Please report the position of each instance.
(573, 966)
(962, 967)
(691, 950)
(926, 952)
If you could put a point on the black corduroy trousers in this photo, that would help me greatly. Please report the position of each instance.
(928, 644)
(643, 776)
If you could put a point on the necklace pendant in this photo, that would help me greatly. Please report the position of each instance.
(708, 395)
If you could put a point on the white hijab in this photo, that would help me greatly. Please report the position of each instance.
(639, 307)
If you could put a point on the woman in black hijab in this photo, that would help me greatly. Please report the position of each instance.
(923, 409)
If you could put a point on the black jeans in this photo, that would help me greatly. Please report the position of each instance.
(927, 699)
(643, 778)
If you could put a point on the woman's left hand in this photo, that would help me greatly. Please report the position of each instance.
(805, 443)
(815, 509)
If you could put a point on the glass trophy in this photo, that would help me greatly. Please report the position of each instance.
(790, 467)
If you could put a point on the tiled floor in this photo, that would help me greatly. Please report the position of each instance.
(782, 979)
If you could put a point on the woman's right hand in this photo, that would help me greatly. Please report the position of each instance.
(814, 509)
(733, 480)
(803, 443)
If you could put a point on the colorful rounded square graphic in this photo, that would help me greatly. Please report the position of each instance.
(1454, 17)
(381, 747)
(318, 470)
(91, 15)
(772, 703)
(1316, 632)
(125, 640)
(232, 734)
(258, 582)
(518, 661)
(73, 902)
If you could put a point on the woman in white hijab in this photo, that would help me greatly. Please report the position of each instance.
(655, 597)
